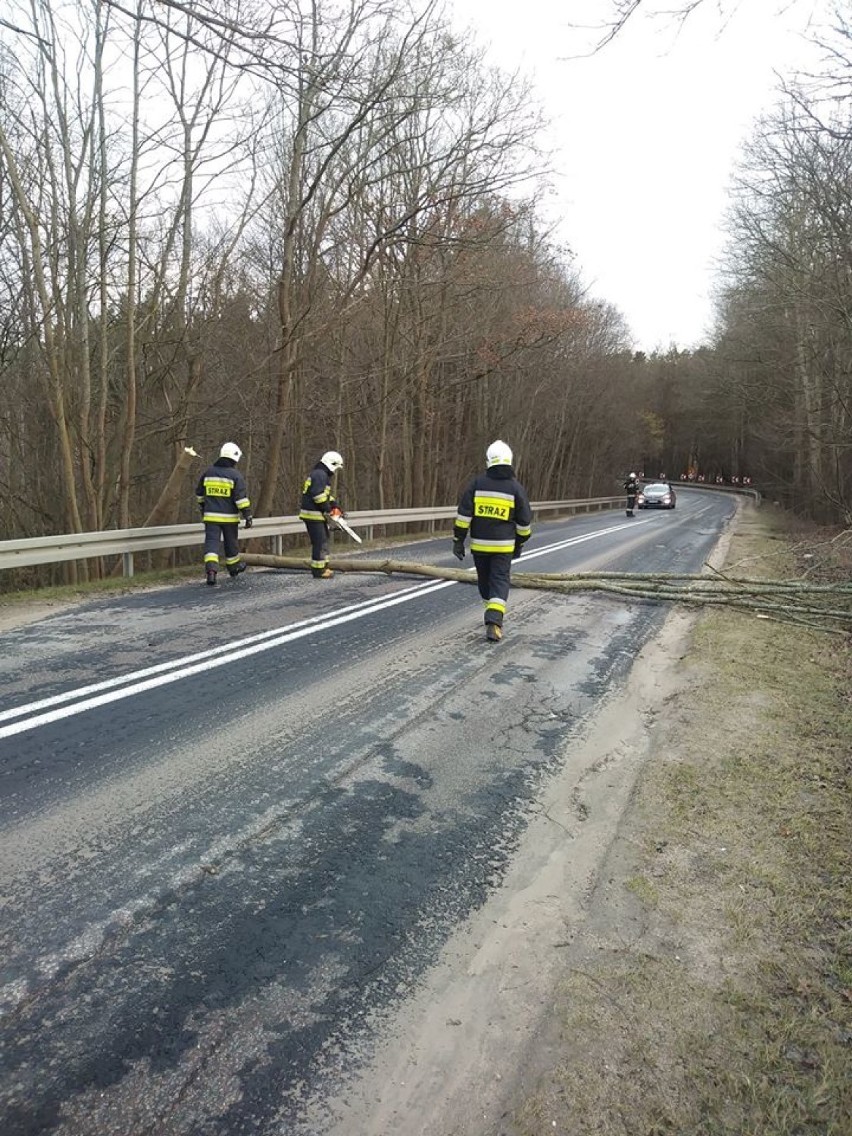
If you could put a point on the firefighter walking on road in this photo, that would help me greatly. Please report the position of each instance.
(318, 505)
(495, 510)
(223, 500)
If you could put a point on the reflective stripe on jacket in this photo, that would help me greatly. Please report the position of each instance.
(221, 491)
(495, 510)
(317, 500)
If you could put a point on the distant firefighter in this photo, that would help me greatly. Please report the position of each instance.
(631, 488)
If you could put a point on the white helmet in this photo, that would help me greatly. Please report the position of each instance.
(332, 460)
(231, 450)
(498, 453)
(632, 476)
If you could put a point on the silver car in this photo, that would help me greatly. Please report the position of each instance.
(659, 495)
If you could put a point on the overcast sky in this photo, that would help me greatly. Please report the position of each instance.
(647, 130)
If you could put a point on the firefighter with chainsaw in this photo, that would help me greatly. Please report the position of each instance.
(318, 507)
(495, 510)
(223, 500)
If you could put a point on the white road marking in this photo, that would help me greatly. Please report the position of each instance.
(35, 714)
(173, 664)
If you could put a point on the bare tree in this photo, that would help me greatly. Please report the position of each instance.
(358, 261)
(613, 17)
(791, 270)
(42, 144)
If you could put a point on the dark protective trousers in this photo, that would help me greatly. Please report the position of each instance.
(631, 500)
(228, 534)
(494, 576)
(318, 532)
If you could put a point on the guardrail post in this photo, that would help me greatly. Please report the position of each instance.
(127, 563)
(278, 545)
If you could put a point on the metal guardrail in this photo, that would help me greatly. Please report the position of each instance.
(30, 551)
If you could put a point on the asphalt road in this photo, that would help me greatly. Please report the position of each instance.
(237, 822)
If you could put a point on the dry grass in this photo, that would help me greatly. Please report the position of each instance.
(731, 1011)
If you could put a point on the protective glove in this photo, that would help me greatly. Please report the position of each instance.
(336, 511)
(201, 507)
(519, 544)
(249, 520)
(458, 549)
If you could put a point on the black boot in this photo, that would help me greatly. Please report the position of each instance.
(237, 568)
(211, 576)
(493, 632)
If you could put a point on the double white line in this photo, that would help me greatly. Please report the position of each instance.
(59, 706)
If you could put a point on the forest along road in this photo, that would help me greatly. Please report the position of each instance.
(279, 856)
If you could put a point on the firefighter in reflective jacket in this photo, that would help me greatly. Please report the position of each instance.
(318, 504)
(222, 498)
(631, 488)
(495, 510)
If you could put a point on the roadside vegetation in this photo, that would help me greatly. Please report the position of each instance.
(715, 994)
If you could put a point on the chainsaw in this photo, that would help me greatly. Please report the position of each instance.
(347, 528)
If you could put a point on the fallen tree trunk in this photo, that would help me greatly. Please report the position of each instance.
(783, 600)
(548, 583)
(388, 567)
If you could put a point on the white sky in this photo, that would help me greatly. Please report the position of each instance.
(647, 133)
